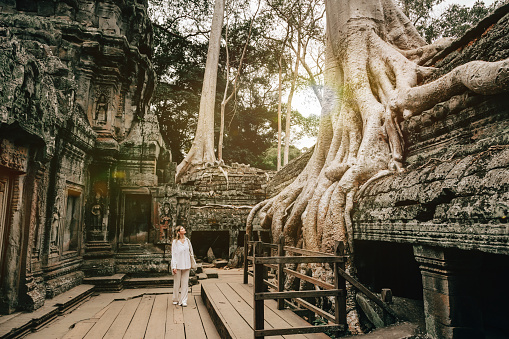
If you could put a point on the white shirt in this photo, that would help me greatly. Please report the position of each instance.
(181, 254)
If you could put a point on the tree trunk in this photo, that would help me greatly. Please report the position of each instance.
(280, 92)
(289, 105)
(225, 99)
(202, 149)
(373, 58)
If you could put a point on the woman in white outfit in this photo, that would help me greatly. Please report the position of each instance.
(181, 252)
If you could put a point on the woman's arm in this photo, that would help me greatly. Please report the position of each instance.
(190, 247)
(173, 256)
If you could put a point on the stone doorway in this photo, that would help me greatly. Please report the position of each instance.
(5, 192)
(494, 295)
(389, 265)
(137, 222)
(219, 241)
(72, 221)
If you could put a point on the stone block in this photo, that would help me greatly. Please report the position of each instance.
(218, 263)
(211, 274)
(437, 305)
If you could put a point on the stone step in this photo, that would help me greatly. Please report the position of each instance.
(211, 274)
(201, 276)
(402, 330)
(220, 263)
(164, 281)
(110, 283)
(26, 322)
(74, 296)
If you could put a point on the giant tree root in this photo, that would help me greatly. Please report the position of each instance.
(372, 72)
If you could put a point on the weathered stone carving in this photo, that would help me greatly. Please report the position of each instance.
(101, 111)
(75, 76)
(13, 157)
(55, 226)
(166, 223)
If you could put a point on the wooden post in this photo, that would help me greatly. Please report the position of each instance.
(387, 297)
(246, 253)
(267, 252)
(340, 283)
(258, 285)
(280, 272)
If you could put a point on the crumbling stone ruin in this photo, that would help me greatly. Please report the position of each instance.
(437, 232)
(213, 202)
(86, 183)
(76, 80)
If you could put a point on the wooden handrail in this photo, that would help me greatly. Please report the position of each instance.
(298, 294)
(368, 293)
(297, 260)
(298, 330)
(305, 252)
(309, 279)
(262, 259)
(315, 309)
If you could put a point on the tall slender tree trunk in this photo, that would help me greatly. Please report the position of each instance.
(280, 92)
(225, 99)
(202, 149)
(289, 105)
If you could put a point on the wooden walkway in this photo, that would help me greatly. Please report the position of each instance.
(230, 305)
(217, 309)
(148, 316)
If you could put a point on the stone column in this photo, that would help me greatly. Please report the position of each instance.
(450, 280)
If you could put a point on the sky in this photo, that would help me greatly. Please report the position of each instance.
(305, 101)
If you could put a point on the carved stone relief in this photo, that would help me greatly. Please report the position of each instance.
(12, 156)
(167, 220)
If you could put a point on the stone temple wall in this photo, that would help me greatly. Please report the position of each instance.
(452, 203)
(214, 198)
(455, 190)
(86, 183)
(77, 142)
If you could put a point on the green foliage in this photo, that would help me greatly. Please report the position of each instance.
(179, 60)
(418, 11)
(456, 20)
(453, 22)
(303, 126)
(269, 158)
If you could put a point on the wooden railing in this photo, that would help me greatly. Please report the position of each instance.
(262, 259)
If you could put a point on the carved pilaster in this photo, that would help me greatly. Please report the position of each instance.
(450, 280)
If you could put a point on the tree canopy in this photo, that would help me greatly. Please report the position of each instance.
(182, 28)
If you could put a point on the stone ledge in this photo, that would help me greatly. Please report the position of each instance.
(26, 322)
(112, 283)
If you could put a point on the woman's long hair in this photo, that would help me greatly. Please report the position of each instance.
(177, 230)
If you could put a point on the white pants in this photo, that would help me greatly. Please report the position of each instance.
(181, 281)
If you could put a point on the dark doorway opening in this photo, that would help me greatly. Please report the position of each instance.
(389, 265)
(494, 295)
(137, 219)
(219, 241)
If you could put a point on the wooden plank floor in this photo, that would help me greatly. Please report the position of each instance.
(231, 309)
(148, 316)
